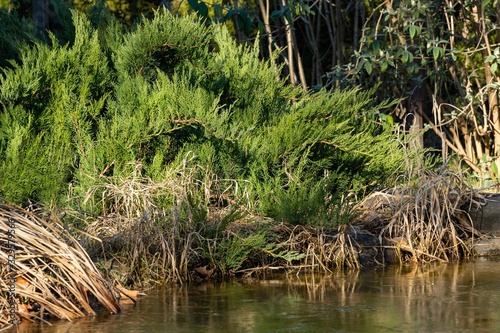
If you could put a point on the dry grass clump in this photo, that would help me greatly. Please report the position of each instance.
(163, 232)
(140, 238)
(5, 319)
(132, 250)
(151, 230)
(426, 220)
(54, 275)
(324, 249)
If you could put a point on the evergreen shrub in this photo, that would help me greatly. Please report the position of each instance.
(77, 114)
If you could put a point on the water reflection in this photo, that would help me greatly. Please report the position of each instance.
(436, 298)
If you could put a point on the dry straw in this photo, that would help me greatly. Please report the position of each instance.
(150, 241)
(324, 249)
(426, 220)
(55, 276)
(155, 231)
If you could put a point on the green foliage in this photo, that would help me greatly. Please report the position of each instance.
(246, 84)
(405, 42)
(161, 44)
(444, 65)
(75, 116)
(14, 32)
(231, 254)
(52, 98)
(324, 147)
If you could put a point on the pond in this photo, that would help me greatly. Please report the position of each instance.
(434, 298)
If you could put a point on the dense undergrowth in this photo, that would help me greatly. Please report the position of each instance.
(178, 148)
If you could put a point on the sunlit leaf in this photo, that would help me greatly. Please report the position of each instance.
(386, 120)
(409, 69)
(436, 53)
(383, 66)
(361, 64)
(404, 57)
(494, 67)
(414, 31)
(390, 120)
(485, 3)
(494, 169)
(368, 67)
(490, 58)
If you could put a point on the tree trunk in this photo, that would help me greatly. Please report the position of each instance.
(41, 15)
(493, 109)
(416, 109)
(289, 43)
(264, 10)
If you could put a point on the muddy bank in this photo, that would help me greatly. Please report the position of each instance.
(374, 250)
(487, 221)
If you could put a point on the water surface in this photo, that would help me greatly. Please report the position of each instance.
(461, 297)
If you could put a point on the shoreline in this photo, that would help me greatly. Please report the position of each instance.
(246, 248)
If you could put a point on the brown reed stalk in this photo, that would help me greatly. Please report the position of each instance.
(428, 218)
(325, 249)
(152, 226)
(53, 271)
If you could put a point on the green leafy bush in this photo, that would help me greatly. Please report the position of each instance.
(115, 98)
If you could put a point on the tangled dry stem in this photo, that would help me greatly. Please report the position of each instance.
(426, 220)
(154, 243)
(54, 275)
(324, 249)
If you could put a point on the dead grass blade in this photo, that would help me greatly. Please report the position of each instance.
(428, 219)
(325, 249)
(151, 225)
(54, 273)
